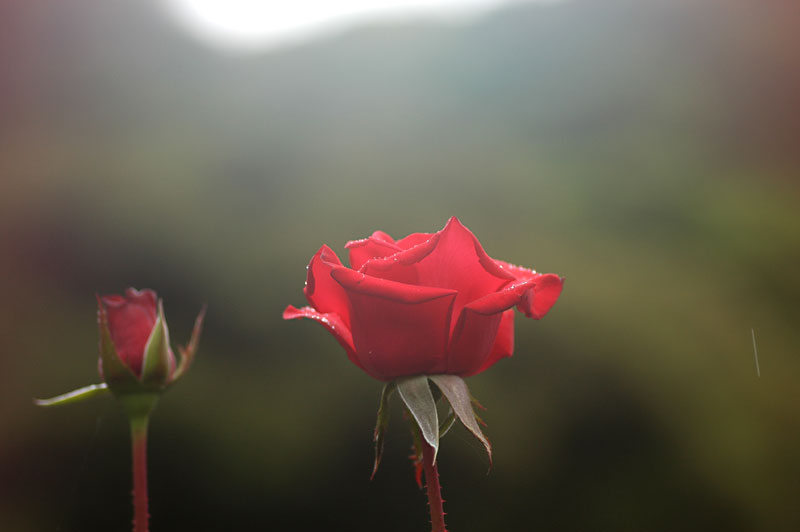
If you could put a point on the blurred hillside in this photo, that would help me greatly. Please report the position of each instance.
(647, 151)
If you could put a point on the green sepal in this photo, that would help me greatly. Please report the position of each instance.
(382, 425)
(455, 390)
(447, 424)
(75, 396)
(187, 353)
(155, 365)
(477, 405)
(416, 444)
(417, 396)
(117, 374)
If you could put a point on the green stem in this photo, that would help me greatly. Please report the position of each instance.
(435, 500)
(139, 450)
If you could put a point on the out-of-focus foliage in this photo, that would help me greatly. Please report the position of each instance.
(647, 151)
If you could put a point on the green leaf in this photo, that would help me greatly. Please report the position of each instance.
(187, 353)
(455, 389)
(417, 396)
(117, 374)
(75, 396)
(382, 425)
(155, 366)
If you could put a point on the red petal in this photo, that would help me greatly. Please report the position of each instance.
(504, 342)
(131, 319)
(332, 322)
(451, 259)
(518, 272)
(539, 299)
(378, 245)
(325, 294)
(386, 237)
(543, 294)
(475, 334)
(398, 329)
(414, 239)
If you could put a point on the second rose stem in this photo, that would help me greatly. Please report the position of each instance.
(139, 455)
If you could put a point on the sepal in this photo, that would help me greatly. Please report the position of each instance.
(156, 363)
(416, 445)
(447, 424)
(75, 396)
(419, 408)
(455, 390)
(187, 353)
(417, 396)
(382, 425)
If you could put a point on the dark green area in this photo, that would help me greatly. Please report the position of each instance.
(647, 151)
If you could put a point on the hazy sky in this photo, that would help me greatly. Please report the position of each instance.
(258, 24)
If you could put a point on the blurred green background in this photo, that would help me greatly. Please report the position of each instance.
(647, 151)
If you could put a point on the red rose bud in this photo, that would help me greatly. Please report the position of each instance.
(131, 321)
(135, 354)
(428, 304)
(136, 360)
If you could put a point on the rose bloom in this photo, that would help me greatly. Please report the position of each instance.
(423, 305)
(131, 320)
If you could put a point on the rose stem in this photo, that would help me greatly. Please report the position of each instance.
(139, 448)
(435, 500)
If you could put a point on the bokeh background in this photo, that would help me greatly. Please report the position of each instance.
(647, 151)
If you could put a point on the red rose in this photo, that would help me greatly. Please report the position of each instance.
(131, 322)
(426, 304)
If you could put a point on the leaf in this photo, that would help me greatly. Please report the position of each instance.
(75, 396)
(381, 425)
(188, 352)
(417, 396)
(155, 366)
(455, 389)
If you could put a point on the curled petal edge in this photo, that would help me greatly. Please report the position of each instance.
(540, 298)
(522, 292)
(333, 323)
(321, 291)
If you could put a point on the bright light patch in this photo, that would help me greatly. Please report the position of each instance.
(257, 24)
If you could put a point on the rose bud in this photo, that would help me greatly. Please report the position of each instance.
(423, 305)
(136, 365)
(136, 361)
